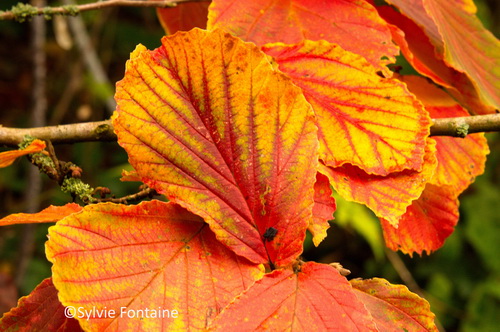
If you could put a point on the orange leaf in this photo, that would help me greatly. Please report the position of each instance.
(39, 311)
(317, 298)
(146, 260)
(393, 307)
(207, 121)
(421, 54)
(461, 39)
(8, 157)
(428, 221)
(363, 119)
(387, 196)
(324, 207)
(354, 25)
(460, 160)
(184, 16)
(130, 176)
(50, 214)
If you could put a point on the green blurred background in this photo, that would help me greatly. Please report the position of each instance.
(461, 280)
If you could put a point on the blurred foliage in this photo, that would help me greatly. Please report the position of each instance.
(461, 280)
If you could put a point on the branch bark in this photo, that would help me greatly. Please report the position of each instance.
(461, 127)
(103, 130)
(22, 12)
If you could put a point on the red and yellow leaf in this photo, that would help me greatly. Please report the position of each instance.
(317, 298)
(460, 160)
(363, 119)
(393, 307)
(39, 311)
(8, 157)
(155, 256)
(50, 214)
(130, 176)
(324, 207)
(421, 54)
(387, 196)
(184, 16)
(427, 223)
(207, 121)
(461, 40)
(354, 25)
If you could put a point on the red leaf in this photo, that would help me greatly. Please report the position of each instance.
(39, 311)
(461, 39)
(119, 261)
(184, 16)
(207, 121)
(324, 207)
(387, 196)
(421, 54)
(393, 307)
(317, 298)
(50, 214)
(354, 25)
(363, 119)
(428, 221)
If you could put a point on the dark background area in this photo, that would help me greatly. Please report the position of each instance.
(461, 280)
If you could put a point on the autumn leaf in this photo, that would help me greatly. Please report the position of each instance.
(324, 207)
(39, 311)
(316, 298)
(363, 119)
(155, 256)
(50, 214)
(387, 196)
(354, 25)
(8, 157)
(207, 121)
(393, 307)
(470, 49)
(460, 160)
(426, 224)
(184, 16)
(421, 54)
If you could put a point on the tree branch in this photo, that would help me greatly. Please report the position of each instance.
(460, 127)
(63, 134)
(103, 130)
(22, 12)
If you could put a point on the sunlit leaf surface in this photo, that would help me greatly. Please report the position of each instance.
(363, 119)
(393, 307)
(387, 196)
(207, 121)
(317, 298)
(354, 25)
(155, 256)
(428, 221)
(461, 40)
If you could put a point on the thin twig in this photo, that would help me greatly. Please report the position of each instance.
(147, 192)
(22, 12)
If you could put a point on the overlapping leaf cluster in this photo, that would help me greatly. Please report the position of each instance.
(244, 127)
